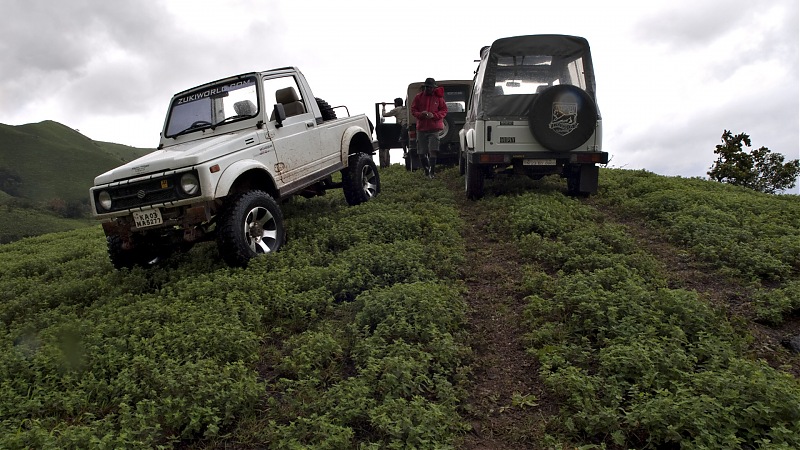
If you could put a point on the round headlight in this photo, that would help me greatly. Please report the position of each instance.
(190, 184)
(104, 198)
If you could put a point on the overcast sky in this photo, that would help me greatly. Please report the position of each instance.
(672, 75)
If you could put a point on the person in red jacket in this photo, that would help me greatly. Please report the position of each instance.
(429, 108)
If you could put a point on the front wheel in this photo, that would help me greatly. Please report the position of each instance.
(142, 253)
(361, 180)
(251, 225)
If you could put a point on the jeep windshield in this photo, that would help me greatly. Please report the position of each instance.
(519, 68)
(212, 105)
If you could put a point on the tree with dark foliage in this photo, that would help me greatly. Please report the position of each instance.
(759, 169)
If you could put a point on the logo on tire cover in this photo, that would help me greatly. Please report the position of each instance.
(565, 118)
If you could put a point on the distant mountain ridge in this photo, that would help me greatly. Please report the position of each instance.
(48, 160)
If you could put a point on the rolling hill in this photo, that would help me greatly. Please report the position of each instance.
(47, 168)
(48, 160)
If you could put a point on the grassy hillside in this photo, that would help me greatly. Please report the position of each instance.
(50, 160)
(361, 332)
(18, 222)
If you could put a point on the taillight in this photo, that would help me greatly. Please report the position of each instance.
(590, 158)
(489, 158)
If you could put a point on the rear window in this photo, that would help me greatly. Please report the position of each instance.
(456, 98)
(530, 74)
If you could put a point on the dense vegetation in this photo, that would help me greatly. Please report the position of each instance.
(636, 363)
(355, 334)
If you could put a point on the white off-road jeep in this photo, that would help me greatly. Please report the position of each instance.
(533, 112)
(230, 152)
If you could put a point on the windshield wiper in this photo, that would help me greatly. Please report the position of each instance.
(199, 125)
(230, 119)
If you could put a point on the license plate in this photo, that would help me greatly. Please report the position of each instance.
(150, 218)
(539, 162)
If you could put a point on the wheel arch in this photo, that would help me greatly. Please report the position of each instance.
(356, 140)
(243, 176)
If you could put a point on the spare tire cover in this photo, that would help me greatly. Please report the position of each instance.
(562, 117)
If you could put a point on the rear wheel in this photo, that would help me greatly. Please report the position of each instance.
(251, 225)
(361, 180)
(473, 181)
(582, 180)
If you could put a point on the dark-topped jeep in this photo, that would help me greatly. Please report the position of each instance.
(456, 93)
(533, 112)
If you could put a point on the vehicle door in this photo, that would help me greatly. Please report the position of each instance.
(388, 133)
(297, 142)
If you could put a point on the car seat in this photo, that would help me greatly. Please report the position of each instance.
(245, 108)
(290, 100)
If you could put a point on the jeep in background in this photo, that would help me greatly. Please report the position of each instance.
(230, 152)
(456, 93)
(533, 112)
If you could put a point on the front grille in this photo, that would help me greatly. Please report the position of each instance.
(143, 193)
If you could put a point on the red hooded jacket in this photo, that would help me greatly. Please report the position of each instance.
(433, 103)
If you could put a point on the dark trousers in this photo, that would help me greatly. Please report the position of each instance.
(383, 156)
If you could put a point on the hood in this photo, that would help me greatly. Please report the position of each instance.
(178, 156)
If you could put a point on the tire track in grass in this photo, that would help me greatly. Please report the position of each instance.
(683, 271)
(507, 407)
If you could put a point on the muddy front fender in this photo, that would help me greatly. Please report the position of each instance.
(247, 175)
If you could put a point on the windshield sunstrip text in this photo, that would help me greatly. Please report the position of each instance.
(214, 91)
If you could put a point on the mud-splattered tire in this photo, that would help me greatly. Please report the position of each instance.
(120, 258)
(141, 255)
(361, 180)
(251, 225)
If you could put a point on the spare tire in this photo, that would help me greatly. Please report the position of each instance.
(327, 111)
(562, 117)
(445, 129)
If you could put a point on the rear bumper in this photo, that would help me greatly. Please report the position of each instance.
(561, 158)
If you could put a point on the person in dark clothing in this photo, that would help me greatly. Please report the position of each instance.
(400, 113)
(429, 108)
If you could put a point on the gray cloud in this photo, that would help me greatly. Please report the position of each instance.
(682, 26)
(114, 58)
(663, 67)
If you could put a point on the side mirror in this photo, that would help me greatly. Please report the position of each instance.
(279, 114)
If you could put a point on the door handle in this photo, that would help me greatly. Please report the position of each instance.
(309, 124)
